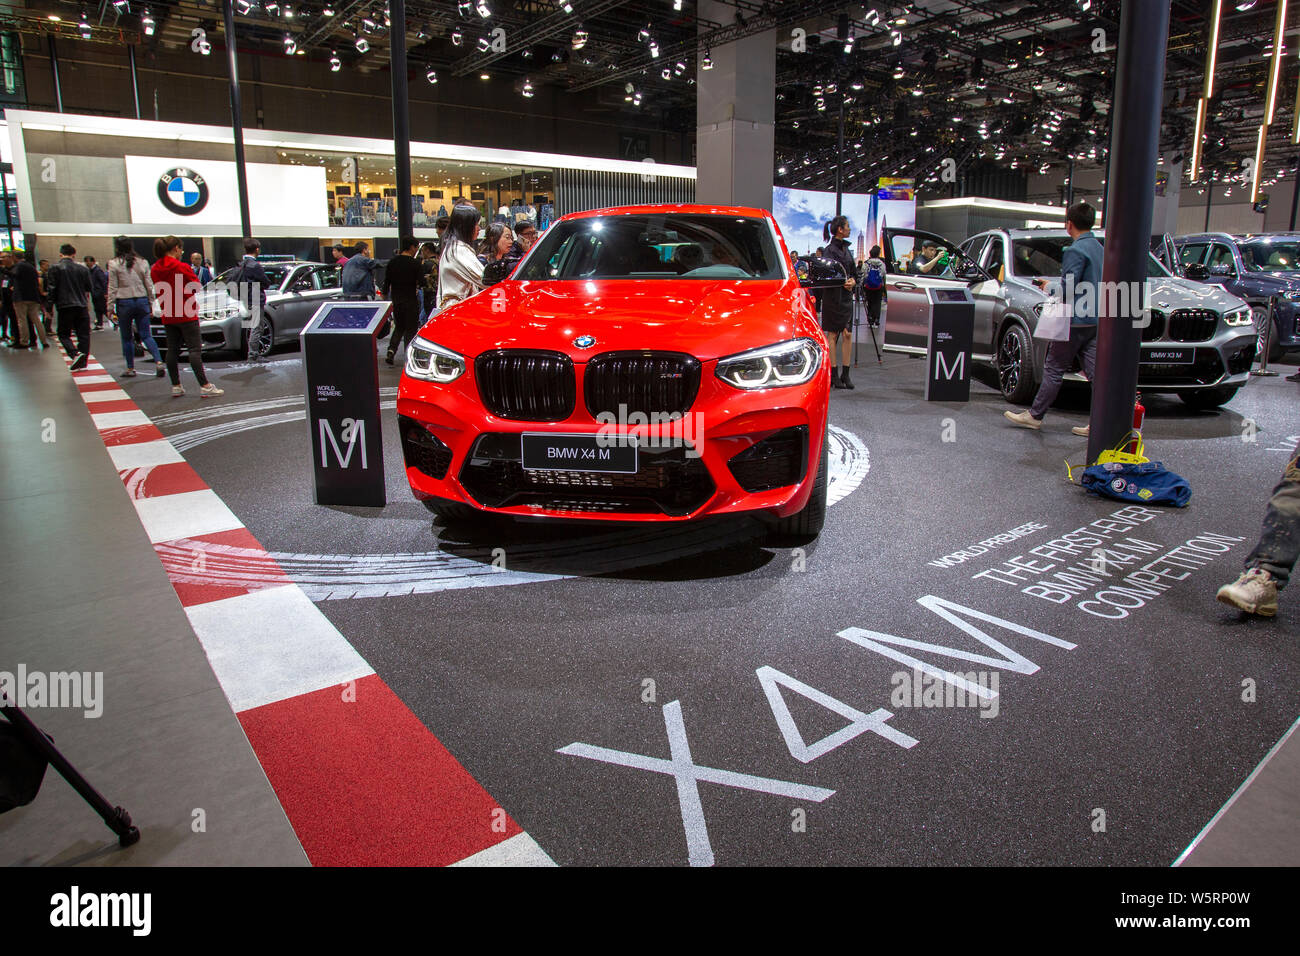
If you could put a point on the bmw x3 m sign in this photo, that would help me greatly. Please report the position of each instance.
(183, 191)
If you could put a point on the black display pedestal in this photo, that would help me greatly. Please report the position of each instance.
(952, 329)
(341, 362)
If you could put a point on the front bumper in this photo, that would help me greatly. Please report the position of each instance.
(455, 450)
(1224, 360)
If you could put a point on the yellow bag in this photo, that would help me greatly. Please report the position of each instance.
(1116, 455)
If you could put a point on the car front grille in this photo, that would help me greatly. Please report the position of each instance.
(775, 462)
(422, 451)
(1193, 325)
(667, 481)
(1156, 328)
(652, 383)
(527, 386)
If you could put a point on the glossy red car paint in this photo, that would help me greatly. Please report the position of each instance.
(706, 318)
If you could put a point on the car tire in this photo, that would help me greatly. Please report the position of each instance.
(265, 336)
(1259, 313)
(1015, 365)
(449, 511)
(1204, 399)
(806, 524)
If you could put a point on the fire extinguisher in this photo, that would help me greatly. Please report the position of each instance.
(1135, 437)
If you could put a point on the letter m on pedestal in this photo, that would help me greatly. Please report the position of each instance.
(941, 367)
(353, 432)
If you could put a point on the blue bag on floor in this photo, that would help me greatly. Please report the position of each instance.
(1149, 483)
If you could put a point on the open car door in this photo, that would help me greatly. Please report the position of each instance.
(907, 319)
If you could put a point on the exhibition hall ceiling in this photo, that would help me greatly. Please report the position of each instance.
(1008, 86)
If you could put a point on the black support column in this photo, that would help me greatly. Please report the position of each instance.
(54, 69)
(135, 78)
(237, 117)
(401, 119)
(1130, 194)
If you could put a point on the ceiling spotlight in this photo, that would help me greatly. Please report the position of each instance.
(666, 73)
(362, 44)
(368, 24)
(643, 34)
(485, 76)
(84, 26)
(272, 8)
(335, 63)
(431, 75)
(564, 5)
(121, 6)
(1246, 5)
(873, 17)
(579, 38)
(288, 12)
(457, 38)
(848, 44)
(707, 62)
(677, 5)
(244, 6)
(898, 72)
(679, 68)
(527, 91)
(464, 7)
(290, 45)
(484, 44)
(483, 9)
(148, 23)
(654, 49)
(896, 37)
(328, 11)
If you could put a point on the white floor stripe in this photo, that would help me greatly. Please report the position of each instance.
(119, 419)
(94, 379)
(272, 645)
(186, 515)
(143, 454)
(107, 395)
(519, 850)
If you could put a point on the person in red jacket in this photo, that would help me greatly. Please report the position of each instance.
(175, 285)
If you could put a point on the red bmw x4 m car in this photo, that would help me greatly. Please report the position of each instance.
(642, 363)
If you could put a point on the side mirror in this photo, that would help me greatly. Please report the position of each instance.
(1196, 271)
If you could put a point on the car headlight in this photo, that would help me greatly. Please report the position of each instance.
(786, 363)
(1238, 317)
(433, 363)
(1293, 296)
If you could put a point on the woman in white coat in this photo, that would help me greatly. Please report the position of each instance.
(460, 274)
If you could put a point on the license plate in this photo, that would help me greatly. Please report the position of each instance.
(1168, 356)
(542, 451)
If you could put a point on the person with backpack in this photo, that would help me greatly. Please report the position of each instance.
(873, 285)
(837, 303)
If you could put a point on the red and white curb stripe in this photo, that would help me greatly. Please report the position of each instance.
(361, 779)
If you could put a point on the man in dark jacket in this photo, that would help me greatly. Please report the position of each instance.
(358, 276)
(68, 286)
(27, 301)
(252, 283)
(1080, 279)
(401, 280)
(98, 290)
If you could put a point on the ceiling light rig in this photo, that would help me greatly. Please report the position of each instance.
(362, 44)
(483, 9)
(148, 23)
(335, 63)
(84, 26)
(432, 76)
(527, 91)
(290, 45)
(579, 38)
(457, 38)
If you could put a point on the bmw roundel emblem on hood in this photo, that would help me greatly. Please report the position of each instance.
(183, 191)
(584, 341)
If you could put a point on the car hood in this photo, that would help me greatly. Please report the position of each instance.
(1267, 283)
(708, 319)
(1174, 293)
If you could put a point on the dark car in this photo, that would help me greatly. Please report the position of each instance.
(1254, 268)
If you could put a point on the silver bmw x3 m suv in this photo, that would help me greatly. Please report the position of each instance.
(1199, 341)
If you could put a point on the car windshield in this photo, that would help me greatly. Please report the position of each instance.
(1040, 256)
(666, 246)
(274, 276)
(1268, 255)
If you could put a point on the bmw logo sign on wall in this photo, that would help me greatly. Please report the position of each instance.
(183, 191)
(584, 341)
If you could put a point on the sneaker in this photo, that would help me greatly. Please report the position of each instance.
(160, 371)
(178, 391)
(1255, 592)
(129, 373)
(389, 358)
(79, 361)
(211, 391)
(1293, 378)
(1081, 430)
(1023, 419)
